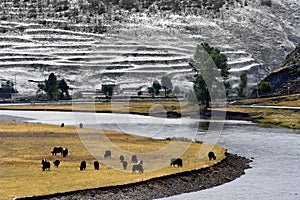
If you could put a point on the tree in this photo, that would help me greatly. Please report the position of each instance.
(265, 87)
(242, 85)
(151, 91)
(51, 87)
(8, 87)
(55, 89)
(156, 87)
(64, 89)
(201, 91)
(166, 84)
(108, 90)
(176, 90)
(207, 83)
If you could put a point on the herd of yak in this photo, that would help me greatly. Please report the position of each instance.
(137, 165)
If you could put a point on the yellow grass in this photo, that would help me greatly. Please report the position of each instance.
(23, 146)
(292, 100)
(281, 117)
(130, 107)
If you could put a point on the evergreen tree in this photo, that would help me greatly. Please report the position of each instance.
(51, 87)
(265, 87)
(8, 87)
(206, 83)
(64, 89)
(242, 85)
(156, 87)
(55, 89)
(108, 90)
(166, 84)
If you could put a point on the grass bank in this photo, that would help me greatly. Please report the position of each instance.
(23, 146)
(289, 118)
(143, 108)
(282, 117)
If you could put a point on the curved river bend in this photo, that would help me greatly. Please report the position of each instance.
(275, 172)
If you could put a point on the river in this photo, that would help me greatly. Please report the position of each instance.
(275, 172)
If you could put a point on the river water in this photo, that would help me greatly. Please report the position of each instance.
(275, 172)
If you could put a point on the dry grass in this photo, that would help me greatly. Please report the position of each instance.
(281, 117)
(288, 100)
(143, 108)
(23, 146)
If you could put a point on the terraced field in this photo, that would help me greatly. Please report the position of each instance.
(132, 59)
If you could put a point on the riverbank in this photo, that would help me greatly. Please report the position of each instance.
(232, 167)
(19, 158)
(236, 110)
(24, 145)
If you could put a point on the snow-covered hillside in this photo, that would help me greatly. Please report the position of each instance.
(255, 38)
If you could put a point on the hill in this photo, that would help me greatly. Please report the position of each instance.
(285, 80)
(132, 46)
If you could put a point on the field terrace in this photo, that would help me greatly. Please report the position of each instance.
(134, 56)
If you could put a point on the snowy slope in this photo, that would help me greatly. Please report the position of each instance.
(255, 39)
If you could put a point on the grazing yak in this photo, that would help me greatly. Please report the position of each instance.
(211, 155)
(82, 165)
(96, 165)
(134, 159)
(122, 158)
(138, 167)
(176, 161)
(56, 163)
(45, 165)
(125, 164)
(65, 152)
(81, 125)
(62, 125)
(107, 154)
(56, 150)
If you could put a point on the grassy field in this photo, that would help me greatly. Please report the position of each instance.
(282, 117)
(143, 108)
(23, 146)
(288, 100)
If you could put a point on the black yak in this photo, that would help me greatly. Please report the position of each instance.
(176, 161)
(211, 155)
(125, 164)
(56, 163)
(134, 159)
(62, 125)
(81, 125)
(65, 152)
(96, 165)
(138, 167)
(46, 165)
(56, 150)
(82, 165)
(107, 154)
(122, 158)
